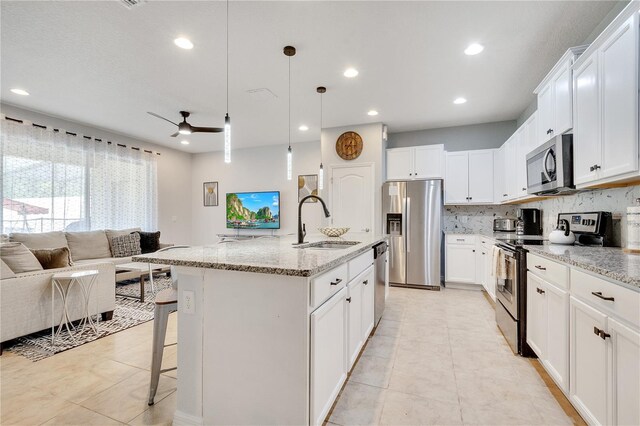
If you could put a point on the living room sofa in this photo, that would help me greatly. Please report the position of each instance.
(25, 298)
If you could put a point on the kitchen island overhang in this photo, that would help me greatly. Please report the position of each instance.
(264, 342)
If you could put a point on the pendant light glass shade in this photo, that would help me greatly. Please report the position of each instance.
(321, 90)
(321, 177)
(289, 164)
(227, 139)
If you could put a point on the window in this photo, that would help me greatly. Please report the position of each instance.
(52, 181)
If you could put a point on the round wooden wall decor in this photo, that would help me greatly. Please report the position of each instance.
(349, 146)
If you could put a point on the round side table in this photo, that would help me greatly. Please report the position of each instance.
(63, 282)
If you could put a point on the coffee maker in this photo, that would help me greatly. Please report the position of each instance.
(529, 222)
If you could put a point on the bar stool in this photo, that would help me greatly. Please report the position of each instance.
(166, 302)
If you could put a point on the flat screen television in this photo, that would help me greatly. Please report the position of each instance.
(253, 210)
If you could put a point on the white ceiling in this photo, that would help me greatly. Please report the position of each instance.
(98, 63)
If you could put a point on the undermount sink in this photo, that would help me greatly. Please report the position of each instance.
(328, 245)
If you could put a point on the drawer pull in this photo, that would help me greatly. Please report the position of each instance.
(599, 295)
(541, 268)
(365, 282)
(539, 290)
(349, 299)
(336, 282)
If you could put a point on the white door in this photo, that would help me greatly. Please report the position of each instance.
(626, 374)
(536, 315)
(619, 78)
(460, 263)
(354, 320)
(428, 162)
(586, 122)
(562, 106)
(588, 362)
(368, 302)
(481, 176)
(556, 357)
(352, 195)
(545, 113)
(399, 164)
(328, 355)
(456, 182)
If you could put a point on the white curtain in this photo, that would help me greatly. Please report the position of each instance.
(52, 181)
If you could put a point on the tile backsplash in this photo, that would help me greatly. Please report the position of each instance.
(477, 219)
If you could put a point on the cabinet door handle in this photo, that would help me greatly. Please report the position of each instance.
(596, 331)
(592, 168)
(365, 282)
(596, 167)
(336, 282)
(539, 290)
(604, 335)
(504, 195)
(524, 189)
(474, 251)
(349, 299)
(541, 268)
(599, 295)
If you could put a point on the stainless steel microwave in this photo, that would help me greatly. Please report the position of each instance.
(550, 167)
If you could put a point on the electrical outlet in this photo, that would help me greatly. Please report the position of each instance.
(188, 302)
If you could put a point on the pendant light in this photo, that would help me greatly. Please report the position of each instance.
(289, 51)
(321, 90)
(227, 119)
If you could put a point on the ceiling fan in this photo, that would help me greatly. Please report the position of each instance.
(185, 128)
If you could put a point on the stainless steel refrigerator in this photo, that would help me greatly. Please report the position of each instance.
(412, 215)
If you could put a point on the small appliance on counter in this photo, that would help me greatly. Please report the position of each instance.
(529, 222)
(503, 224)
(633, 228)
(590, 228)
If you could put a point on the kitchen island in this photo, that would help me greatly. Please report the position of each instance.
(267, 331)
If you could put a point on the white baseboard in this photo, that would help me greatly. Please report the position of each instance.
(184, 419)
(463, 286)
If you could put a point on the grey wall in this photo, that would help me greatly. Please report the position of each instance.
(459, 138)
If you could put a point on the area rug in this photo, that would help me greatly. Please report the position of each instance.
(127, 313)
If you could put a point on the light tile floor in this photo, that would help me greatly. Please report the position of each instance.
(436, 358)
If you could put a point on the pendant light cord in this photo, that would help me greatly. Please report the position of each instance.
(227, 56)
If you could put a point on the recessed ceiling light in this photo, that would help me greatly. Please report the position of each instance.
(372, 112)
(459, 101)
(184, 43)
(184, 142)
(20, 92)
(474, 49)
(303, 128)
(351, 72)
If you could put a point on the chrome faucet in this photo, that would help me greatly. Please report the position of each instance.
(302, 232)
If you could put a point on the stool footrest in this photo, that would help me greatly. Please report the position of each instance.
(168, 369)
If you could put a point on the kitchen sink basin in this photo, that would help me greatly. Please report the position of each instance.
(328, 245)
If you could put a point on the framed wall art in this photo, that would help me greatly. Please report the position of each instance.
(210, 194)
(307, 185)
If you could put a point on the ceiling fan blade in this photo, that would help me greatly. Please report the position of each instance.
(161, 117)
(206, 129)
(175, 134)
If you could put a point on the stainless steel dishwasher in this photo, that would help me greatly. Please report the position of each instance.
(380, 265)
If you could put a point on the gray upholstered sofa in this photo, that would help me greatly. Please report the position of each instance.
(25, 298)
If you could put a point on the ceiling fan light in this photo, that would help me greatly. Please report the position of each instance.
(184, 131)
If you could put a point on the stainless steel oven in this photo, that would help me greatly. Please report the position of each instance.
(550, 167)
(507, 284)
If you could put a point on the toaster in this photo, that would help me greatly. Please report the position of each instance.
(504, 225)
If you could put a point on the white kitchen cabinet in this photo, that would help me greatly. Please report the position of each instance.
(354, 320)
(536, 315)
(589, 375)
(556, 352)
(489, 282)
(510, 170)
(555, 98)
(481, 264)
(606, 105)
(328, 350)
(469, 177)
(499, 184)
(586, 134)
(419, 162)
(522, 149)
(368, 302)
(460, 259)
(625, 367)
(456, 181)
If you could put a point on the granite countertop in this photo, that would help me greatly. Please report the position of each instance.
(267, 255)
(610, 262)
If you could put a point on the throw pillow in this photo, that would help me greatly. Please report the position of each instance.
(126, 245)
(149, 241)
(116, 233)
(53, 258)
(5, 271)
(18, 258)
(88, 245)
